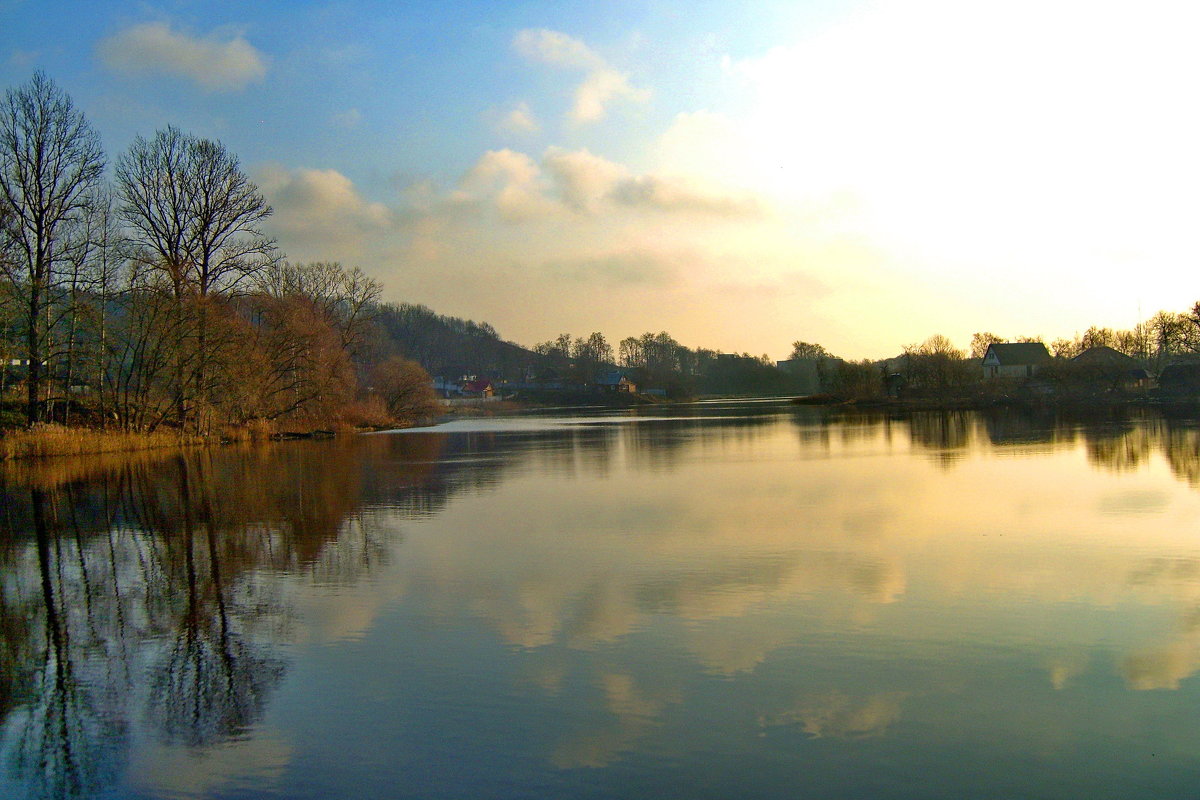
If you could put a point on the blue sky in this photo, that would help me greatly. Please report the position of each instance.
(862, 174)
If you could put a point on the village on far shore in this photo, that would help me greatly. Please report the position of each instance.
(1089, 369)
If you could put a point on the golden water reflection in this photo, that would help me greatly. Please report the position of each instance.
(840, 577)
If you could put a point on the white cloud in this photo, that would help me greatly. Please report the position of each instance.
(557, 49)
(583, 183)
(705, 143)
(602, 84)
(319, 214)
(583, 180)
(510, 181)
(519, 119)
(216, 63)
(600, 88)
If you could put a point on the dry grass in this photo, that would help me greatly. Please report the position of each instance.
(255, 430)
(45, 440)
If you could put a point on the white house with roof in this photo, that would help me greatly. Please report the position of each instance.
(1014, 359)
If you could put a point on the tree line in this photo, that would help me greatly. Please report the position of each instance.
(937, 365)
(157, 295)
(1165, 336)
(658, 360)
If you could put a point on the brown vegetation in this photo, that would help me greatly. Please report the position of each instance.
(157, 306)
(48, 439)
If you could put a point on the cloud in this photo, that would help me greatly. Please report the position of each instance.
(586, 182)
(635, 268)
(962, 123)
(602, 84)
(599, 89)
(581, 182)
(556, 49)
(509, 181)
(841, 716)
(665, 194)
(319, 213)
(215, 63)
(519, 119)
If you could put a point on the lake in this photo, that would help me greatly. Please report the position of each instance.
(707, 600)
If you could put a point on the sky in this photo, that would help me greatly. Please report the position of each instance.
(741, 175)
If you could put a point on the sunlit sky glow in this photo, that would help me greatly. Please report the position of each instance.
(859, 174)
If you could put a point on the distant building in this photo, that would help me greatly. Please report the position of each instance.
(614, 380)
(1109, 368)
(809, 373)
(1015, 360)
(1180, 380)
(478, 388)
(447, 389)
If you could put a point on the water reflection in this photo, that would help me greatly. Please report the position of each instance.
(616, 595)
(136, 593)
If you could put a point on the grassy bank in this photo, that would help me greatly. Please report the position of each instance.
(48, 439)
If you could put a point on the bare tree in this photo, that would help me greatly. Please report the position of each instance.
(226, 244)
(405, 389)
(808, 350)
(194, 213)
(195, 216)
(153, 191)
(981, 341)
(50, 160)
(936, 364)
(589, 354)
(346, 299)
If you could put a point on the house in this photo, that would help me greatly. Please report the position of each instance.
(446, 389)
(809, 374)
(1014, 360)
(1112, 369)
(1180, 380)
(614, 380)
(478, 388)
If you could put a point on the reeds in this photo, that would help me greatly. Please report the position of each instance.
(48, 439)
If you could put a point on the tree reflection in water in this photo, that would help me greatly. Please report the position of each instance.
(68, 745)
(153, 567)
(211, 683)
(146, 593)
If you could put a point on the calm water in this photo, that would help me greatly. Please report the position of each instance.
(716, 600)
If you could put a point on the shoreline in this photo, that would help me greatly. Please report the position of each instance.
(988, 403)
(53, 440)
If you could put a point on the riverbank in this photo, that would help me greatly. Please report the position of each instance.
(50, 440)
(984, 403)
